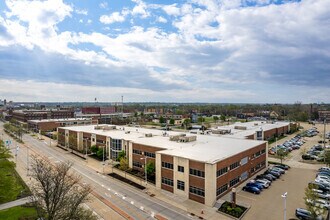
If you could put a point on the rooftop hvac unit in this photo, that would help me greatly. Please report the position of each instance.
(148, 135)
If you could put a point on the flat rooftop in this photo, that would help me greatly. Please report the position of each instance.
(250, 128)
(60, 120)
(206, 148)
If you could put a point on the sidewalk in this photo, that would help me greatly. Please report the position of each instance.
(15, 203)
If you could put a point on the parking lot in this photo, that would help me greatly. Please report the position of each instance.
(269, 204)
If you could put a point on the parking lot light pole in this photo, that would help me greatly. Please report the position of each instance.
(284, 198)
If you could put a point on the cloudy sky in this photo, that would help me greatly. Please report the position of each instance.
(165, 50)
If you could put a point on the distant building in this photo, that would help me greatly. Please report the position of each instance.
(53, 124)
(26, 115)
(98, 110)
(324, 115)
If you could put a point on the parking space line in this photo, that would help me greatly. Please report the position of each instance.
(247, 197)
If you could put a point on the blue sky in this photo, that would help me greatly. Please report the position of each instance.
(168, 51)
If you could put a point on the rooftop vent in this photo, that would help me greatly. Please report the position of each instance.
(241, 127)
(148, 135)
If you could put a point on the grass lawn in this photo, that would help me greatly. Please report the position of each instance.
(18, 213)
(12, 186)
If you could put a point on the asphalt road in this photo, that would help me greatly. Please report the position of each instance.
(134, 202)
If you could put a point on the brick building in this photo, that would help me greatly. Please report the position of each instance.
(25, 115)
(198, 167)
(53, 124)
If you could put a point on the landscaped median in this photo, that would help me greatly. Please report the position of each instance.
(237, 212)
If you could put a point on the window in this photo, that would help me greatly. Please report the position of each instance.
(148, 154)
(263, 151)
(180, 185)
(222, 171)
(137, 164)
(181, 169)
(244, 175)
(196, 191)
(167, 181)
(196, 172)
(234, 165)
(233, 182)
(257, 154)
(244, 161)
(167, 165)
(135, 151)
(222, 189)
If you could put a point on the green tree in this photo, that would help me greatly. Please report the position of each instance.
(94, 149)
(121, 154)
(99, 153)
(172, 121)
(4, 152)
(123, 164)
(281, 154)
(223, 118)
(72, 141)
(215, 119)
(327, 157)
(310, 197)
(150, 167)
(162, 120)
(186, 122)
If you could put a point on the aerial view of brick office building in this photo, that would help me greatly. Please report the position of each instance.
(198, 167)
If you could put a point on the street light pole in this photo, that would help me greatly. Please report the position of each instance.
(103, 161)
(284, 198)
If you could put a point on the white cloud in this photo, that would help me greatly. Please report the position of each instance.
(114, 17)
(140, 9)
(81, 11)
(171, 9)
(161, 19)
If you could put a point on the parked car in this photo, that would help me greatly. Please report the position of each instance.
(263, 182)
(281, 171)
(258, 185)
(319, 186)
(319, 203)
(282, 166)
(274, 173)
(321, 194)
(251, 189)
(303, 214)
(307, 157)
(324, 182)
(327, 169)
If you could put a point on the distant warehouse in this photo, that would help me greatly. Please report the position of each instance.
(198, 167)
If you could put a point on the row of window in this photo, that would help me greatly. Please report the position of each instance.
(222, 189)
(167, 181)
(196, 191)
(148, 154)
(222, 171)
(195, 172)
(167, 165)
(234, 181)
(135, 151)
(234, 165)
(257, 154)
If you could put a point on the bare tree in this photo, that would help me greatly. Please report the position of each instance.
(57, 193)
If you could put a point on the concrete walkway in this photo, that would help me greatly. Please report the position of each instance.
(15, 203)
